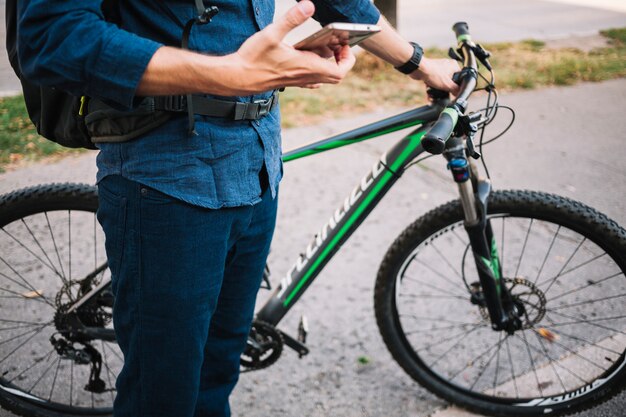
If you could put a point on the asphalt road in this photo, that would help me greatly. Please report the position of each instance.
(566, 140)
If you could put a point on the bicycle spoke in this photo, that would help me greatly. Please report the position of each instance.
(439, 342)
(35, 363)
(585, 286)
(54, 380)
(435, 329)
(69, 242)
(17, 337)
(433, 296)
(26, 341)
(445, 259)
(28, 286)
(553, 280)
(556, 362)
(17, 295)
(502, 246)
(547, 355)
(482, 371)
(434, 287)
(459, 237)
(561, 333)
(508, 348)
(109, 372)
(40, 378)
(530, 225)
(71, 381)
(582, 264)
(545, 259)
(41, 248)
(56, 249)
(532, 363)
(495, 378)
(596, 300)
(19, 242)
(471, 361)
(459, 340)
(439, 274)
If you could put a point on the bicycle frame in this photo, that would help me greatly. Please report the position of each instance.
(356, 206)
(347, 218)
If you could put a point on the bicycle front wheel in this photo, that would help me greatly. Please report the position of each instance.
(51, 254)
(562, 261)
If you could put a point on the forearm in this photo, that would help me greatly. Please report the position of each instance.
(393, 48)
(176, 71)
(388, 44)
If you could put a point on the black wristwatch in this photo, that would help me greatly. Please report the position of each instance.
(414, 62)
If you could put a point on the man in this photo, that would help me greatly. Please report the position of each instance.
(188, 218)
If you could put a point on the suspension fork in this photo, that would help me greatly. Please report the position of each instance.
(474, 195)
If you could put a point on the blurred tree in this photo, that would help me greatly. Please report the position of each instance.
(390, 9)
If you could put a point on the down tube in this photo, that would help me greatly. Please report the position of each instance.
(345, 220)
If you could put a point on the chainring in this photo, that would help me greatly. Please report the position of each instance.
(264, 347)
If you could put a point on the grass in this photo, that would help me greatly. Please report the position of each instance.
(19, 141)
(374, 84)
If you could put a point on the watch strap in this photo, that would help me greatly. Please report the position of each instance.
(414, 62)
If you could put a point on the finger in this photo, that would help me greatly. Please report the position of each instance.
(324, 52)
(312, 86)
(345, 59)
(294, 17)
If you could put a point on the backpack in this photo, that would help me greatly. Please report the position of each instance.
(80, 122)
(57, 115)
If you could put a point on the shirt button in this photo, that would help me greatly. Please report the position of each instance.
(257, 122)
(257, 11)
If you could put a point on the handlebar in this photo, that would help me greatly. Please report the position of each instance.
(435, 140)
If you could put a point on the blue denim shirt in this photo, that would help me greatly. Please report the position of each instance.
(68, 45)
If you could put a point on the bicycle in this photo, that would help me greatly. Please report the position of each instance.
(543, 344)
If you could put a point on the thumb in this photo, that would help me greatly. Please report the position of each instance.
(294, 17)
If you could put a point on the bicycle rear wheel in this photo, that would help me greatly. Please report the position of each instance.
(51, 253)
(563, 261)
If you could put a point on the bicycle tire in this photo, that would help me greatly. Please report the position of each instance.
(33, 209)
(523, 207)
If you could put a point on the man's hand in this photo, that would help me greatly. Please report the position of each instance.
(266, 62)
(437, 73)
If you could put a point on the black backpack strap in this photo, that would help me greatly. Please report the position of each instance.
(205, 14)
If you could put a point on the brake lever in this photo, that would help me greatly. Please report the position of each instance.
(453, 54)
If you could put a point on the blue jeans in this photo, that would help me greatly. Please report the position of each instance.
(185, 280)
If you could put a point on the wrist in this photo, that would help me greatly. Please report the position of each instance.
(413, 63)
(421, 73)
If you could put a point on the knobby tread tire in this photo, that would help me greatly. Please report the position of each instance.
(576, 216)
(24, 202)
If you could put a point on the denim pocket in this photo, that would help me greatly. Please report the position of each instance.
(112, 217)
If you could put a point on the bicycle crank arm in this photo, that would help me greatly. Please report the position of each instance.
(300, 348)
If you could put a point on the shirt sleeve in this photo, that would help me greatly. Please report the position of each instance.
(351, 11)
(68, 45)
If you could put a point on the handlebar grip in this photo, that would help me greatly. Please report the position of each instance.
(461, 29)
(435, 140)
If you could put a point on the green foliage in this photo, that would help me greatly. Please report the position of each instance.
(19, 141)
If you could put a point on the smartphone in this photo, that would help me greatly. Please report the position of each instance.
(335, 34)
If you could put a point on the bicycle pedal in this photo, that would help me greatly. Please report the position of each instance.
(303, 329)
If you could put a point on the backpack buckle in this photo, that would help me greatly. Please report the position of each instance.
(206, 16)
(174, 103)
(264, 107)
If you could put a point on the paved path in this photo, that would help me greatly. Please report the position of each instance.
(566, 140)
